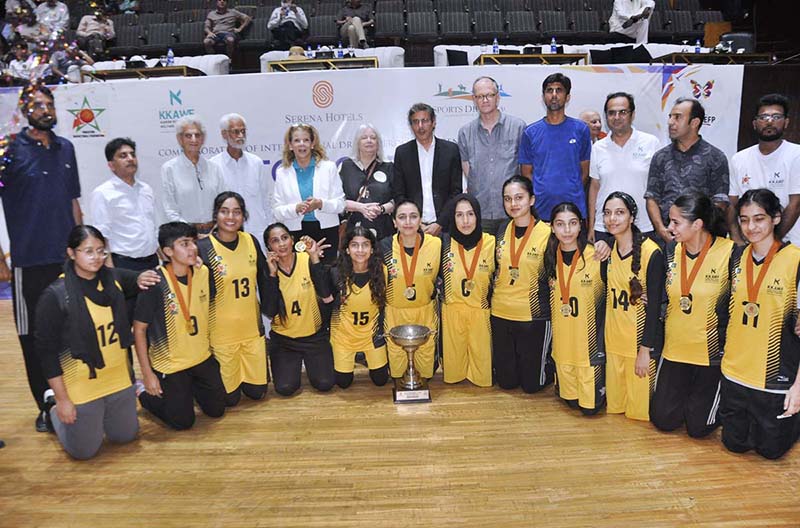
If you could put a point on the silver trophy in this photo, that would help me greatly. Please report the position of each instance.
(411, 388)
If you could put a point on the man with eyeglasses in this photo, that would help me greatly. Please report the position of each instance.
(688, 163)
(245, 173)
(489, 148)
(620, 162)
(772, 164)
(189, 183)
(40, 198)
(427, 169)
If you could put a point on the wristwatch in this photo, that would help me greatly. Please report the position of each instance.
(383, 209)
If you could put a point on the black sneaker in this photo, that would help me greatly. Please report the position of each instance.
(49, 402)
(41, 423)
(361, 358)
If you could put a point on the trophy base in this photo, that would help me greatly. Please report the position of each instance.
(420, 394)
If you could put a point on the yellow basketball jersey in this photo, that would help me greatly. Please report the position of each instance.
(762, 351)
(578, 337)
(303, 316)
(693, 336)
(237, 315)
(112, 378)
(357, 323)
(454, 275)
(176, 344)
(424, 275)
(519, 299)
(625, 321)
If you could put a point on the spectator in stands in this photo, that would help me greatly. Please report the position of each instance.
(489, 148)
(688, 163)
(630, 20)
(30, 30)
(246, 174)
(772, 164)
(94, 32)
(427, 170)
(25, 66)
(620, 162)
(221, 27)
(128, 6)
(124, 209)
(67, 62)
(595, 124)
(40, 199)
(53, 14)
(353, 17)
(189, 183)
(14, 7)
(288, 24)
(554, 151)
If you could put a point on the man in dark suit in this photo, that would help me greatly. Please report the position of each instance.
(427, 169)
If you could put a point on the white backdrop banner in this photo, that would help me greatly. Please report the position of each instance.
(337, 102)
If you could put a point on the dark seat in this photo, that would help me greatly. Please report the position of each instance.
(482, 5)
(587, 26)
(740, 40)
(127, 42)
(542, 5)
(701, 18)
(456, 25)
(419, 6)
(182, 16)
(327, 9)
(553, 24)
(522, 26)
(125, 19)
(159, 38)
(422, 27)
(489, 25)
(571, 6)
(389, 25)
(682, 26)
(149, 19)
(451, 6)
(507, 6)
(390, 6)
(660, 28)
(686, 5)
(257, 35)
(190, 41)
(322, 30)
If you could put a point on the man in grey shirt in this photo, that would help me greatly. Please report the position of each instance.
(489, 147)
(224, 26)
(689, 163)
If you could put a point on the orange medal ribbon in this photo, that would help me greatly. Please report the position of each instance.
(751, 307)
(470, 271)
(564, 287)
(181, 301)
(408, 273)
(686, 282)
(517, 254)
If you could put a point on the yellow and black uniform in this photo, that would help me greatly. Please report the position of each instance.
(357, 326)
(578, 343)
(106, 403)
(762, 353)
(239, 271)
(421, 308)
(466, 329)
(687, 381)
(629, 326)
(521, 331)
(179, 349)
(299, 333)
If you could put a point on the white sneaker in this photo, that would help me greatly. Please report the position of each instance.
(139, 386)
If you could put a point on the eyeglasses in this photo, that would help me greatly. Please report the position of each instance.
(424, 121)
(94, 253)
(485, 97)
(615, 113)
(770, 117)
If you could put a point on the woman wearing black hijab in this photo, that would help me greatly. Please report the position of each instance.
(467, 268)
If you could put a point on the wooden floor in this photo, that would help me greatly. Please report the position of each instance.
(473, 457)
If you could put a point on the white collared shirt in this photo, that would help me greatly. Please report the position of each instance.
(188, 191)
(623, 169)
(126, 215)
(249, 177)
(426, 179)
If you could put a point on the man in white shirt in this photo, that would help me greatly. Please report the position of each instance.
(630, 20)
(772, 164)
(287, 24)
(246, 174)
(123, 209)
(620, 162)
(53, 14)
(189, 182)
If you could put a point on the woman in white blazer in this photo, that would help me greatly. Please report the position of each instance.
(308, 191)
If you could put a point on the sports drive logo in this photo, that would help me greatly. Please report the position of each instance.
(461, 91)
(84, 123)
(322, 94)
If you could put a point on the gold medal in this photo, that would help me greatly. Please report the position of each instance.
(566, 310)
(300, 246)
(410, 292)
(514, 272)
(685, 303)
(751, 309)
(469, 285)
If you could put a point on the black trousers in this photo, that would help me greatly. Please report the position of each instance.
(286, 35)
(749, 421)
(27, 285)
(379, 377)
(288, 354)
(135, 264)
(521, 354)
(687, 394)
(330, 234)
(175, 407)
(254, 392)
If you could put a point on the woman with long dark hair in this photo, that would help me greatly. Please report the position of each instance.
(467, 269)
(360, 298)
(239, 271)
(698, 292)
(297, 286)
(82, 335)
(760, 394)
(633, 328)
(577, 311)
(521, 333)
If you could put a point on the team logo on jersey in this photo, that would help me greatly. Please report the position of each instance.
(483, 265)
(775, 287)
(587, 279)
(671, 272)
(222, 270)
(305, 283)
(712, 276)
(428, 269)
(203, 296)
(776, 179)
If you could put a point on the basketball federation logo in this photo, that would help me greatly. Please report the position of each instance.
(322, 94)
